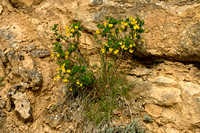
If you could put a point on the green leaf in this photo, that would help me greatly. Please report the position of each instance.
(95, 36)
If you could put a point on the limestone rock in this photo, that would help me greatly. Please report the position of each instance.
(1, 9)
(1, 69)
(165, 96)
(21, 102)
(153, 110)
(54, 120)
(33, 78)
(96, 2)
(40, 53)
(22, 3)
(191, 102)
(28, 62)
(30, 48)
(2, 119)
(164, 81)
(2, 104)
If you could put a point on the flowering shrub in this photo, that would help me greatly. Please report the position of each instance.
(120, 35)
(115, 38)
(72, 68)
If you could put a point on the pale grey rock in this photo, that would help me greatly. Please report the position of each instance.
(40, 53)
(2, 104)
(54, 120)
(30, 48)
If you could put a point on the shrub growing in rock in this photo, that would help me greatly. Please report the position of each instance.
(115, 38)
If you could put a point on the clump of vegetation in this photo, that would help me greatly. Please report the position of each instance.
(147, 119)
(133, 127)
(104, 90)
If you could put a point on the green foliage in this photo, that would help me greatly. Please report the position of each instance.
(73, 70)
(107, 88)
(147, 119)
(133, 127)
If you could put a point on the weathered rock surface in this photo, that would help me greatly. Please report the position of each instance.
(21, 102)
(2, 104)
(172, 99)
(2, 120)
(1, 9)
(53, 120)
(168, 91)
(41, 53)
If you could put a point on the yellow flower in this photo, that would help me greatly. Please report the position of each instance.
(135, 27)
(131, 18)
(55, 79)
(120, 30)
(135, 35)
(110, 49)
(113, 34)
(130, 50)
(110, 25)
(58, 76)
(76, 27)
(72, 46)
(131, 46)
(122, 26)
(52, 55)
(58, 55)
(105, 24)
(133, 22)
(66, 27)
(77, 82)
(122, 22)
(67, 53)
(69, 71)
(70, 89)
(97, 31)
(134, 44)
(57, 69)
(143, 40)
(81, 84)
(122, 46)
(103, 50)
(72, 30)
(120, 43)
(66, 56)
(126, 24)
(63, 68)
(125, 48)
(106, 45)
(146, 30)
(67, 30)
(116, 51)
(65, 80)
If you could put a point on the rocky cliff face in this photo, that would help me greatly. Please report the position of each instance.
(166, 66)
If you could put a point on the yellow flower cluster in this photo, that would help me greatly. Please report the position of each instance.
(67, 31)
(78, 83)
(52, 55)
(66, 54)
(63, 68)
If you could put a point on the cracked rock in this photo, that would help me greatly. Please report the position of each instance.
(2, 119)
(21, 102)
(2, 104)
(41, 53)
